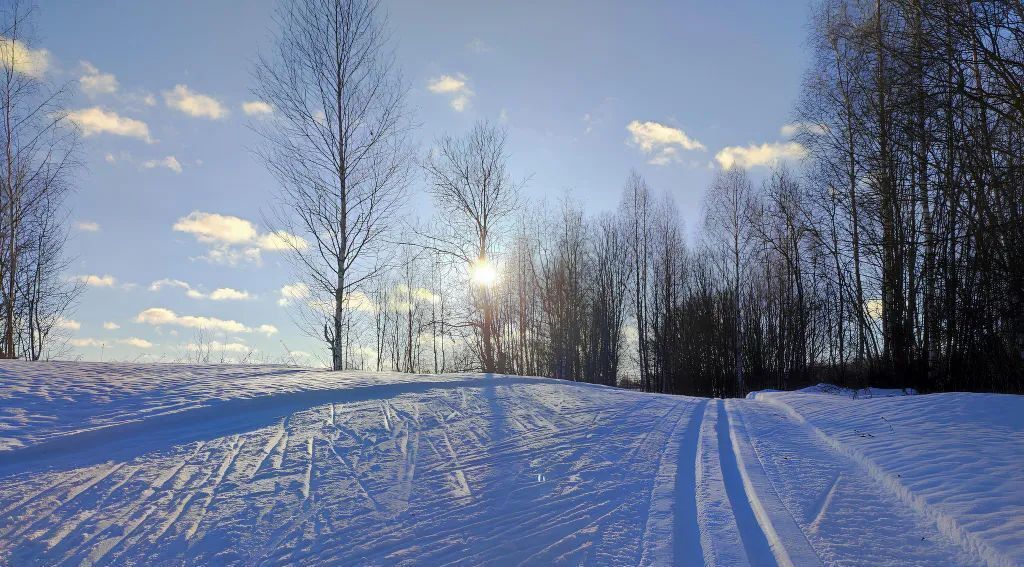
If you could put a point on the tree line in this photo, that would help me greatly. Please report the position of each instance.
(893, 254)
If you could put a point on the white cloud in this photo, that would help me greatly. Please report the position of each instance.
(292, 292)
(281, 240)
(194, 104)
(219, 294)
(232, 239)
(229, 294)
(267, 330)
(131, 341)
(97, 281)
(93, 82)
(660, 141)
(759, 155)
(359, 301)
(160, 284)
(23, 59)
(87, 226)
(158, 316)
(460, 102)
(170, 162)
(455, 86)
(354, 300)
(256, 108)
(212, 228)
(665, 156)
(95, 120)
(217, 346)
(794, 128)
(232, 255)
(446, 84)
(189, 290)
(69, 324)
(111, 326)
(402, 300)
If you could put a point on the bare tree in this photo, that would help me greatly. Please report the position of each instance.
(637, 210)
(728, 221)
(609, 289)
(46, 295)
(475, 197)
(337, 144)
(38, 157)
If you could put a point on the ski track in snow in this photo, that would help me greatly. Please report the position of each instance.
(171, 464)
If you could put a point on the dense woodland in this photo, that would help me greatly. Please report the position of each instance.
(891, 255)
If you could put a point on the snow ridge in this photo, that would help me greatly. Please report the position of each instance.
(947, 524)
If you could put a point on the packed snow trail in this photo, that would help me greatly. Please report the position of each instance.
(276, 466)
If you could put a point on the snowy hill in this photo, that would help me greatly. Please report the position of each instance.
(139, 464)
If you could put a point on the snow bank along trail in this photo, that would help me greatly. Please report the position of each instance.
(956, 459)
(141, 464)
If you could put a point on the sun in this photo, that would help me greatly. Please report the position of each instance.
(483, 273)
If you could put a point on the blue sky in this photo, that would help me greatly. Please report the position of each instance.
(159, 88)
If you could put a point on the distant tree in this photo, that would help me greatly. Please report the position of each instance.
(609, 289)
(637, 212)
(475, 197)
(47, 295)
(337, 144)
(729, 206)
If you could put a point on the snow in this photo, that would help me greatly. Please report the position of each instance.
(111, 464)
(956, 458)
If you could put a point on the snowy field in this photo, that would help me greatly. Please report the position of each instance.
(104, 464)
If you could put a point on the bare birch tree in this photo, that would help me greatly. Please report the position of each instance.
(337, 144)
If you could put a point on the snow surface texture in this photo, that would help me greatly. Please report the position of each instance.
(105, 464)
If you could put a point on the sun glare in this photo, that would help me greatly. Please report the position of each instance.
(483, 273)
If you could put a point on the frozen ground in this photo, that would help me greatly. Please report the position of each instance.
(149, 464)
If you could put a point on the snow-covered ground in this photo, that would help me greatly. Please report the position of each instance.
(200, 465)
